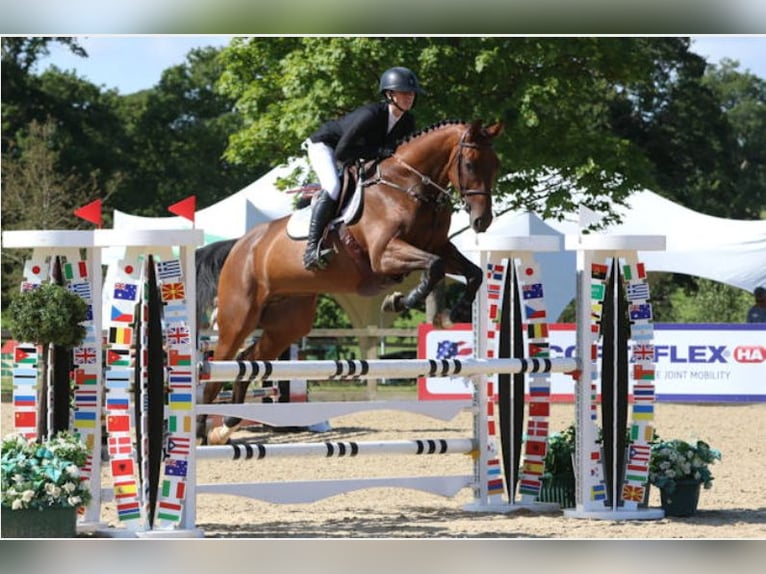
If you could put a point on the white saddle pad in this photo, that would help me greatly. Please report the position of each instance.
(298, 224)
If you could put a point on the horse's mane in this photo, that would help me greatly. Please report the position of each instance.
(429, 129)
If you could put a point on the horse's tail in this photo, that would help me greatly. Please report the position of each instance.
(209, 261)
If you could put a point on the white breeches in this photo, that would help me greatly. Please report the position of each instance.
(322, 160)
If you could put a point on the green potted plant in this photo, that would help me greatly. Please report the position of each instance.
(41, 486)
(679, 469)
(558, 484)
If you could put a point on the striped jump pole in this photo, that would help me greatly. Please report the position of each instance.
(336, 449)
(360, 369)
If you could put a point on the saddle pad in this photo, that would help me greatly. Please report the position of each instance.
(298, 224)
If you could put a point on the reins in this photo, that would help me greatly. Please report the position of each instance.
(444, 196)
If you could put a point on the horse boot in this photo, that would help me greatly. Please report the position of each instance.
(322, 213)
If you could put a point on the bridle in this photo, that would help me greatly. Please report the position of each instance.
(444, 196)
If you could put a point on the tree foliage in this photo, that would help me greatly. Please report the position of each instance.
(178, 132)
(556, 96)
(48, 315)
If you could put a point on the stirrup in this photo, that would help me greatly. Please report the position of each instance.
(316, 259)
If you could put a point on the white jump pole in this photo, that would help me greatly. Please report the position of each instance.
(586, 473)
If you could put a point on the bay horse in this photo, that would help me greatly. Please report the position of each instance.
(403, 228)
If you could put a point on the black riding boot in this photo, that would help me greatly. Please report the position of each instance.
(321, 213)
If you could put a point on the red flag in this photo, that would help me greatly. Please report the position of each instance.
(90, 212)
(185, 208)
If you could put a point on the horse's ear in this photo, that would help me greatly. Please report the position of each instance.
(495, 130)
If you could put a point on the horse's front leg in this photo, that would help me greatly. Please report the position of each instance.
(458, 264)
(402, 258)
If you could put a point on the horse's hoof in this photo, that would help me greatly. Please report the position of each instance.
(218, 436)
(392, 303)
(442, 320)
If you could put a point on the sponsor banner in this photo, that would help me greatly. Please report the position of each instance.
(716, 363)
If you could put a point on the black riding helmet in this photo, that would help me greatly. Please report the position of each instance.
(400, 80)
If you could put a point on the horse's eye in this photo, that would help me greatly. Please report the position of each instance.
(469, 167)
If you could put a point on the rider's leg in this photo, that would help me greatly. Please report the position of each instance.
(322, 159)
(322, 212)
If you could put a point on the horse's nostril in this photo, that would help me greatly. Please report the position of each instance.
(481, 224)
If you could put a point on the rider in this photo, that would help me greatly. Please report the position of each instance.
(369, 132)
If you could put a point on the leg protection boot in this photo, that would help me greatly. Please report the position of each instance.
(321, 213)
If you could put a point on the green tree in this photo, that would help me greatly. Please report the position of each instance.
(710, 302)
(178, 133)
(35, 195)
(554, 94)
(742, 97)
(22, 96)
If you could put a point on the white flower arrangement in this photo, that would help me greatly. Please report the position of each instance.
(678, 460)
(44, 475)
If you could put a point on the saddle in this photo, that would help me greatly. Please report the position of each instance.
(350, 204)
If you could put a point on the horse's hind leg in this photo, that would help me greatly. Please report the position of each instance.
(237, 318)
(282, 322)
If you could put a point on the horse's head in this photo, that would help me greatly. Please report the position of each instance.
(474, 171)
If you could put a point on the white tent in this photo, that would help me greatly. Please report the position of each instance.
(229, 218)
(725, 250)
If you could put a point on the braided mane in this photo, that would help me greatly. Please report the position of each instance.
(429, 129)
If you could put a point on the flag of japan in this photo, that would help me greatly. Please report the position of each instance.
(36, 271)
(530, 271)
